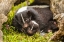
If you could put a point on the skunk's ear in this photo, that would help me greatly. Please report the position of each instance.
(29, 13)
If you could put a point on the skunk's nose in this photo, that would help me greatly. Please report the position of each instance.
(30, 32)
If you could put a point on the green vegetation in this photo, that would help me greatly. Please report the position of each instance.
(13, 36)
(10, 35)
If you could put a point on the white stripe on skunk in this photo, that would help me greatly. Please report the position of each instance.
(22, 9)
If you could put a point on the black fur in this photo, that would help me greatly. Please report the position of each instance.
(42, 16)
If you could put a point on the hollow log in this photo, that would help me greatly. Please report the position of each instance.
(57, 7)
(5, 6)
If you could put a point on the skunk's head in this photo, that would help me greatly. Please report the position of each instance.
(31, 28)
(29, 25)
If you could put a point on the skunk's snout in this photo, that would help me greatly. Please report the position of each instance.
(33, 27)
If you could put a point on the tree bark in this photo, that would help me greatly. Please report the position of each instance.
(5, 6)
(57, 7)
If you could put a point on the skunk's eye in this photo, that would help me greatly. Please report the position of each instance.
(34, 28)
(27, 20)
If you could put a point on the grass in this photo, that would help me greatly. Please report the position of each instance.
(10, 35)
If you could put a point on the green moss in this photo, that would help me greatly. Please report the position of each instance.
(10, 35)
